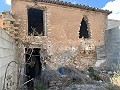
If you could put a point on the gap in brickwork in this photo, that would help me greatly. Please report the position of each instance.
(83, 33)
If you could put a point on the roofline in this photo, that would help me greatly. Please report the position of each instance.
(69, 4)
(113, 28)
(113, 20)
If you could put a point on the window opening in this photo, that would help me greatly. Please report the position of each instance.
(83, 33)
(35, 22)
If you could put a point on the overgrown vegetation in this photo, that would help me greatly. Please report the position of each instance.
(116, 78)
(40, 87)
(93, 74)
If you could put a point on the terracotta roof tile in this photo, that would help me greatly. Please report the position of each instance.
(69, 4)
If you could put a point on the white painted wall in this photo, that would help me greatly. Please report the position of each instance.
(7, 54)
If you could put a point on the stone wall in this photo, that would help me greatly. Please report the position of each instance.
(112, 43)
(7, 54)
(62, 25)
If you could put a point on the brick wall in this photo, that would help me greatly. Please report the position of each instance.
(62, 25)
(62, 22)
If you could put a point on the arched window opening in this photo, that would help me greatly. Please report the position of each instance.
(83, 33)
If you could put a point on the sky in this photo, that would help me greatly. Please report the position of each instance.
(112, 5)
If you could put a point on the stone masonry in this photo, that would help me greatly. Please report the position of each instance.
(61, 41)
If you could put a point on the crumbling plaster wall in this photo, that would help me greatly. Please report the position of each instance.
(7, 54)
(62, 26)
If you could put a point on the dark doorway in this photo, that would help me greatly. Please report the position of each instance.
(33, 55)
(83, 33)
(35, 22)
(33, 65)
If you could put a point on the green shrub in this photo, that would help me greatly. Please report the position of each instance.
(93, 74)
(116, 78)
(40, 87)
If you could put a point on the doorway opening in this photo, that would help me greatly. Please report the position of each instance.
(33, 66)
(33, 62)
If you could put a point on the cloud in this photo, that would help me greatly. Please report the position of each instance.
(8, 2)
(113, 6)
(72, 1)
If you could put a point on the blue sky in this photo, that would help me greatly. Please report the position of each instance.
(4, 5)
(93, 3)
(112, 5)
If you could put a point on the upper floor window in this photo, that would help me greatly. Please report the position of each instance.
(83, 32)
(36, 22)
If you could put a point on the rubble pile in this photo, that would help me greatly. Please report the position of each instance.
(74, 79)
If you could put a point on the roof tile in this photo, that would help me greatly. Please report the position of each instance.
(69, 4)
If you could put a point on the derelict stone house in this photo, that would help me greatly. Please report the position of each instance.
(60, 33)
